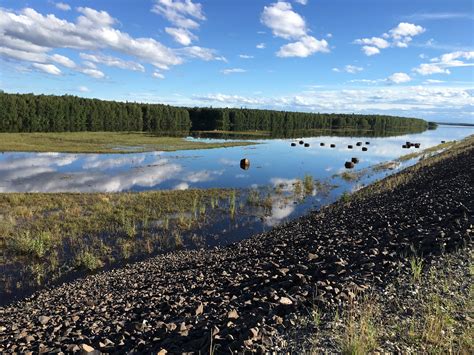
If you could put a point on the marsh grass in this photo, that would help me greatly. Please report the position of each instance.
(359, 333)
(86, 259)
(416, 265)
(101, 142)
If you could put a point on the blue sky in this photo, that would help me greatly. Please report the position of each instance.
(411, 58)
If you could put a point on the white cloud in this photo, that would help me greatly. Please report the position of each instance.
(233, 70)
(400, 36)
(369, 51)
(302, 2)
(112, 61)
(260, 46)
(433, 81)
(83, 89)
(181, 35)
(62, 6)
(283, 21)
(246, 56)
(180, 12)
(29, 35)
(304, 47)
(352, 69)
(447, 60)
(184, 15)
(202, 53)
(94, 73)
(398, 78)
(374, 42)
(48, 68)
(157, 75)
(62, 60)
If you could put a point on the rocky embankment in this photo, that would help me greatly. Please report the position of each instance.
(245, 295)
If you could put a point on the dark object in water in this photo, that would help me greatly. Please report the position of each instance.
(349, 146)
(293, 144)
(404, 146)
(321, 144)
(367, 143)
(417, 145)
(408, 144)
(442, 142)
(245, 164)
(355, 160)
(301, 142)
(349, 165)
(306, 144)
(364, 149)
(358, 144)
(333, 146)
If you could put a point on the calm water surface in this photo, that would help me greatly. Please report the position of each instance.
(275, 176)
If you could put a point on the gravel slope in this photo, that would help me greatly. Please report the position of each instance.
(244, 295)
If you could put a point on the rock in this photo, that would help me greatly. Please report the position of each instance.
(199, 309)
(44, 319)
(285, 301)
(233, 314)
(86, 348)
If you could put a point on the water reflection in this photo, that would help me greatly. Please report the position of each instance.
(282, 183)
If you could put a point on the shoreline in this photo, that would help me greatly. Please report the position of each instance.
(244, 296)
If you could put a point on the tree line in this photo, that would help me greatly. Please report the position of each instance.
(228, 119)
(47, 113)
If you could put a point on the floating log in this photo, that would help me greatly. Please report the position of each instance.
(355, 160)
(301, 142)
(364, 149)
(358, 144)
(333, 146)
(349, 146)
(349, 165)
(321, 144)
(306, 144)
(245, 164)
(293, 144)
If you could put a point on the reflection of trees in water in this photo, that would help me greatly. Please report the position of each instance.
(281, 133)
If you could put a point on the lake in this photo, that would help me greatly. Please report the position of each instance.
(281, 183)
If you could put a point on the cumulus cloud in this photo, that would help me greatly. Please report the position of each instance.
(286, 23)
(260, 46)
(93, 73)
(202, 53)
(63, 60)
(302, 2)
(62, 6)
(48, 68)
(181, 35)
(304, 47)
(351, 69)
(398, 78)
(157, 75)
(283, 21)
(369, 50)
(448, 60)
(184, 15)
(30, 36)
(400, 36)
(233, 70)
(112, 61)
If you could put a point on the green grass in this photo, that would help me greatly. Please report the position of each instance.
(101, 142)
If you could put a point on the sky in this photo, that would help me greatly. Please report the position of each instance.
(400, 57)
